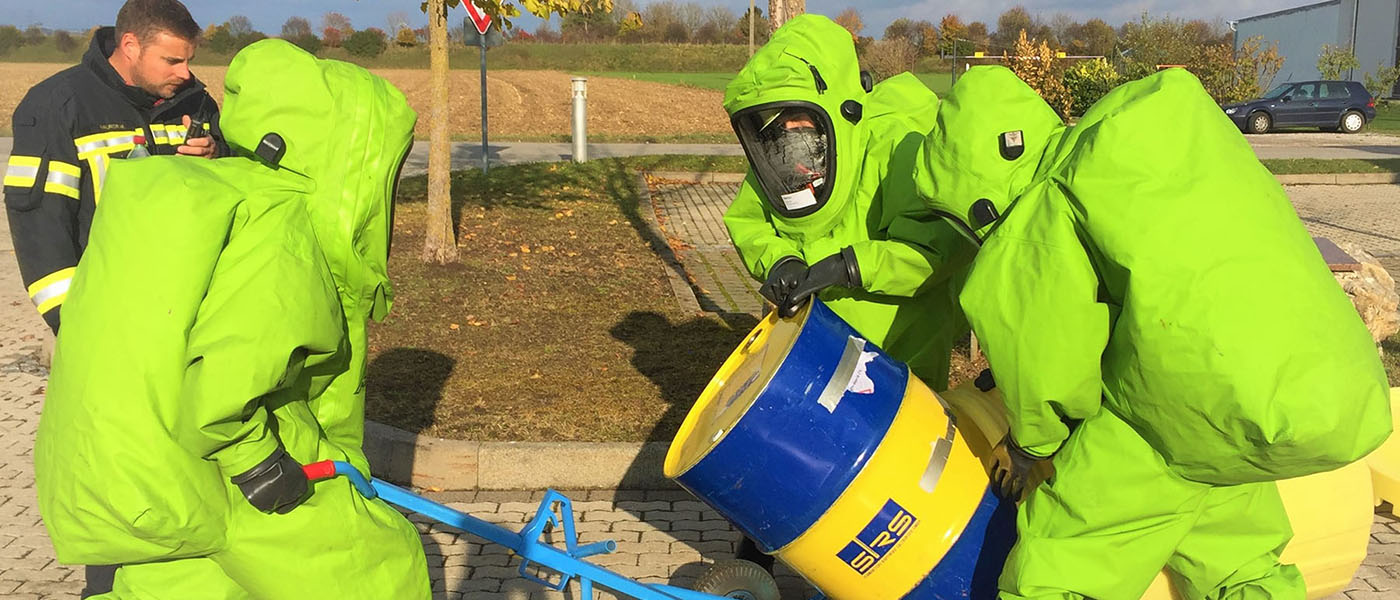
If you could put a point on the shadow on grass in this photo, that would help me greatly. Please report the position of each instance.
(680, 357)
(400, 379)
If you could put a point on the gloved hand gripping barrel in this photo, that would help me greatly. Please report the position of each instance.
(830, 455)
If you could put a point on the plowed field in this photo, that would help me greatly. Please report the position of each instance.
(521, 103)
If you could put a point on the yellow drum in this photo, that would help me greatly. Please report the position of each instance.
(1331, 512)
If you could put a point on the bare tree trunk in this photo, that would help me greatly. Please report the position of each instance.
(439, 243)
(779, 11)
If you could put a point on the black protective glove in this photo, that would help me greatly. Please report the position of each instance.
(985, 381)
(1011, 468)
(838, 269)
(277, 484)
(782, 279)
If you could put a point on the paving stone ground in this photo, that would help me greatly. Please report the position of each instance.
(663, 536)
(692, 214)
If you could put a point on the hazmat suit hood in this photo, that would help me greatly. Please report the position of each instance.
(809, 66)
(986, 145)
(345, 130)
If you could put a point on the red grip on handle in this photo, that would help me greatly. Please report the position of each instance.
(319, 470)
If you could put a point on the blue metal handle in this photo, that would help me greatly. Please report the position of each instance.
(568, 562)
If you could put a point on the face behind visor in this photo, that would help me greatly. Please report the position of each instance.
(789, 146)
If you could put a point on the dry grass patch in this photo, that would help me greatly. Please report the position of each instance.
(558, 323)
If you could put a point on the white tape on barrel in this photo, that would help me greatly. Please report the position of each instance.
(938, 454)
(850, 372)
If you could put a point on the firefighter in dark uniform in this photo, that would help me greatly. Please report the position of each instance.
(132, 95)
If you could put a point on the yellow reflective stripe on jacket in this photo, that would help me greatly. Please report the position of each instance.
(105, 143)
(63, 179)
(51, 290)
(22, 171)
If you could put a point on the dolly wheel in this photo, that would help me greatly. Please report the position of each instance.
(739, 579)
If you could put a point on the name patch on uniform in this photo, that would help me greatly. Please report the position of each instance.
(879, 537)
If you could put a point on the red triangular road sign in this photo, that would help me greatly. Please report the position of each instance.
(482, 20)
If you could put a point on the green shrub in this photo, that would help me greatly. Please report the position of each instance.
(10, 38)
(1088, 81)
(1381, 82)
(64, 41)
(1334, 60)
(364, 44)
(308, 42)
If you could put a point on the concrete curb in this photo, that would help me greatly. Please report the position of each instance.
(439, 464)
(1339, 179)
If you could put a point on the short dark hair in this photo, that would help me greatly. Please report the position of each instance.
(146, 18)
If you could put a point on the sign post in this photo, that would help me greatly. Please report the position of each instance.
(483, 24)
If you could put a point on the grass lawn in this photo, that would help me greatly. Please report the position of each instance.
(940, 83)
(1296, 166)
(557, 323)
(1387, 118)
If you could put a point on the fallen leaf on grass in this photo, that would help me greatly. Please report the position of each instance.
(510, 278)
(525, 248)
(612, 222)
(454, 327)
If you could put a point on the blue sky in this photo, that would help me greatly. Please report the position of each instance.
(268, 15)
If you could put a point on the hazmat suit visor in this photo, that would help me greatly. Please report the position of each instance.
(791, 149)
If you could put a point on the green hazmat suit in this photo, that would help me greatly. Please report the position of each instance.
(218, 314)
(907, 258)
(1153, 310)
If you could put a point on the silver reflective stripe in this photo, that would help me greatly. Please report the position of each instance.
(52, 291)
(97, 145)
(22, 171)
(61, 178)
(836, 386)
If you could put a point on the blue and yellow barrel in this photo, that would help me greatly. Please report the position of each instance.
(831, 456)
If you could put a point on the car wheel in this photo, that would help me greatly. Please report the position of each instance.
(1353, 122)
(1260, 122)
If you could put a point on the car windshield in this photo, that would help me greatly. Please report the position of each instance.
(1278, 91)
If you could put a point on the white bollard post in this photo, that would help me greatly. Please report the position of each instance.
(580, 119)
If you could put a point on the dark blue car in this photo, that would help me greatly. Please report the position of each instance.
(1330, 105)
